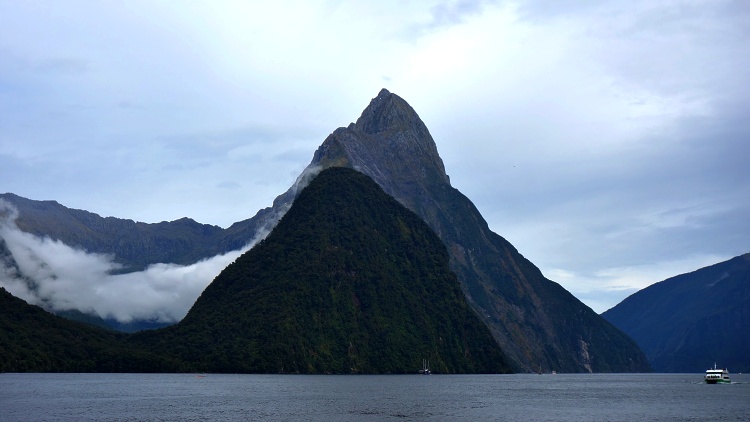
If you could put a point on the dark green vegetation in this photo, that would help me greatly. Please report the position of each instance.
(688, 322)
(348, 282)
(111, 323)
(32, 340)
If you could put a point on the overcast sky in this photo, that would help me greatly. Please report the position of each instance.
(609, 141)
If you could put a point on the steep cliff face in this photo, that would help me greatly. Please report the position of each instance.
(392, 145)
(536, 321)
(688, 322)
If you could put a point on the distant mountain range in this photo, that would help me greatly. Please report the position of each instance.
(133, 244)
(691, 321)
(537, 323)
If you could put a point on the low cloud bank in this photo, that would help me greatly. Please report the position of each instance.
(57, 277)
(51, 274)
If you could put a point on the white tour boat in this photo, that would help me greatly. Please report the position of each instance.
(717, 376)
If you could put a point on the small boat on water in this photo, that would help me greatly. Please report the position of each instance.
(717, 376)
(425, 368)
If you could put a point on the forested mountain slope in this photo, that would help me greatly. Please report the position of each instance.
(348, 282)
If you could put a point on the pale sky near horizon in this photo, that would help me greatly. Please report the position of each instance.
(608, 141)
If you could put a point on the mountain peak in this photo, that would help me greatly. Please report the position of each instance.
(388, 142)
(388, 112)
(525, 311)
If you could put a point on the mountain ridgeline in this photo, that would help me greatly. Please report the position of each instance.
(134, 245)
(536, 322)
(689, 322)
(350, 281)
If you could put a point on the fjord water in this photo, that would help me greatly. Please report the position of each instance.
(188, 397)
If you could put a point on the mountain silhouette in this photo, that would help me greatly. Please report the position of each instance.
(349, 281)
(537, 323)
(688, 322)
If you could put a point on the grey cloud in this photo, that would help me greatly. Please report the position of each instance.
(230, 185)
(65, 66)
(53, 275)
(129, 105)
(444, 15)
(58, 277)
(540, 10)
(211, 145)
(449, 13)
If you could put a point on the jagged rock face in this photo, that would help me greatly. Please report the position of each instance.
(391, 144)
(536, 321)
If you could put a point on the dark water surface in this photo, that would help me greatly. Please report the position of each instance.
(187, 397)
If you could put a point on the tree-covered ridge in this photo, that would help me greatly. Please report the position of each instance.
(348, 282)
(33, 340)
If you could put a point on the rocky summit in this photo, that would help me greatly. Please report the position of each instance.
(537, 322)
